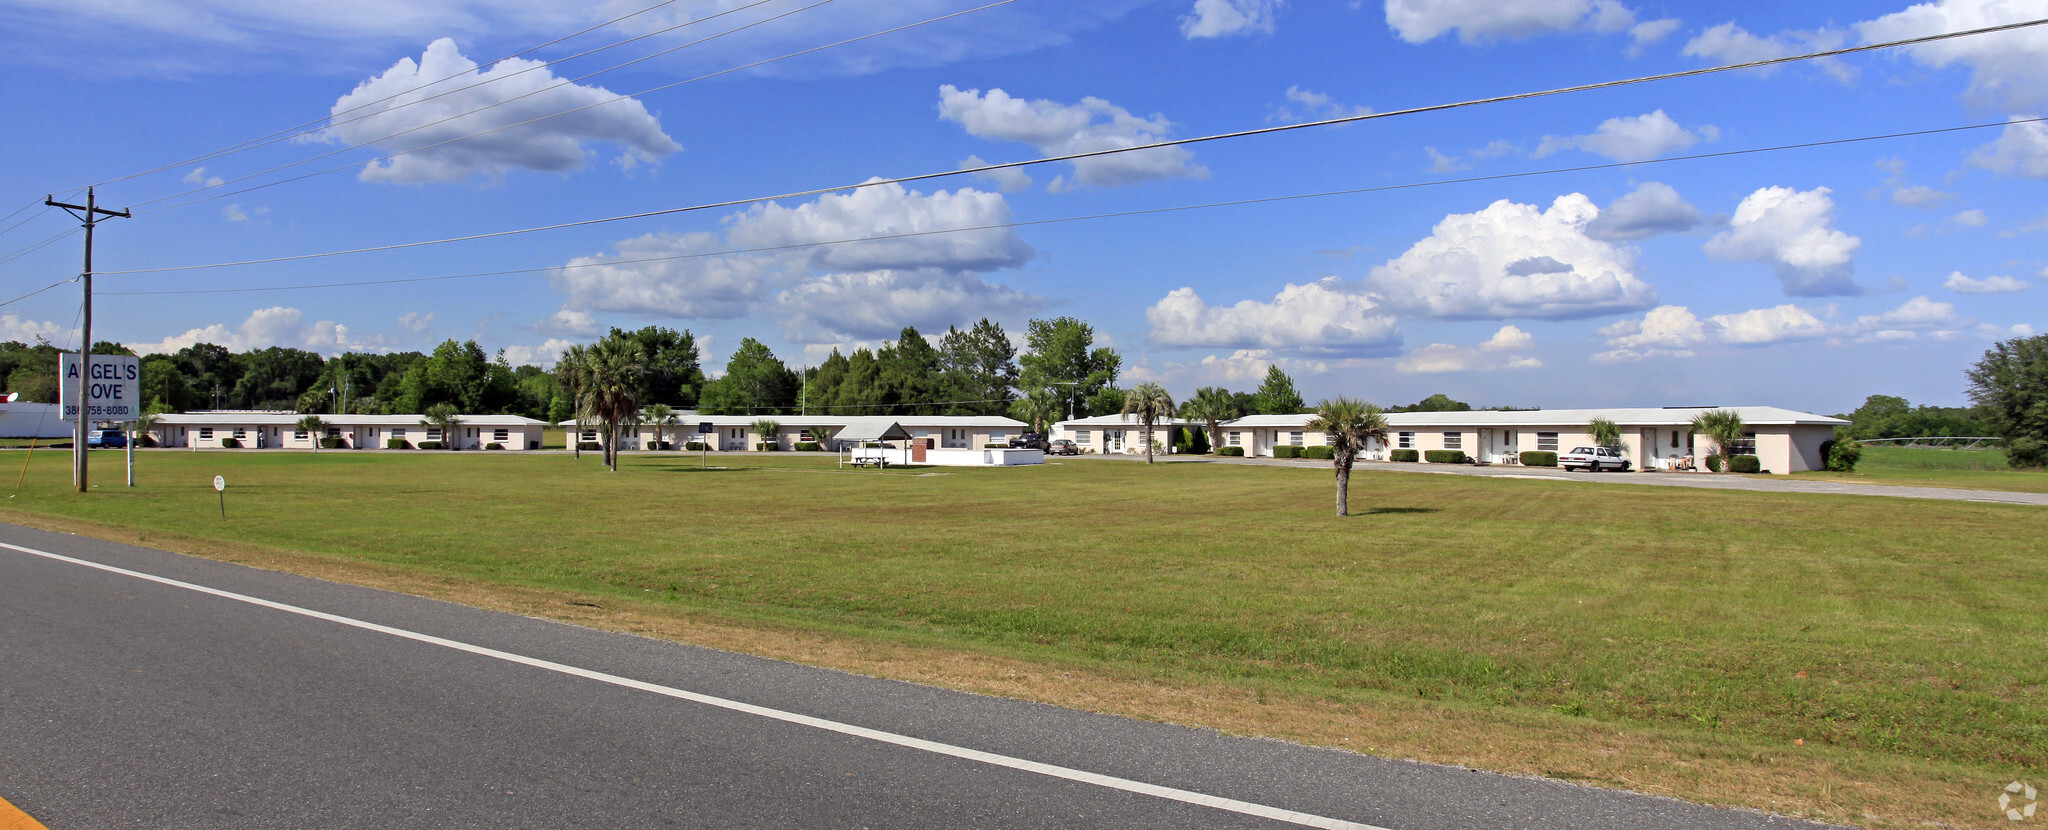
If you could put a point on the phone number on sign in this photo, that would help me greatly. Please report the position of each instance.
(119, 410)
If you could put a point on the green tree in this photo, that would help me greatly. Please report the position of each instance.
(315, 426)
(445, 418)
(674, 375)
(1038, 410)
(822, 386)
(571, 370)
(1277, 395)
(663, 418)
(613, 382)
(1724, 426)
(1061, 360)
(979, 370)
(755, 383)
(1151, 403)
(1438, 402)
(273, 378)
(213, 371)
(1352, 426)
(911, 379)
(1212, 405)
(766, 429)
(1604, 432)
(2011, 382)
(456, 373)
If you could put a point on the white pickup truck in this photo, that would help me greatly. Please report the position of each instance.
(1593, 459)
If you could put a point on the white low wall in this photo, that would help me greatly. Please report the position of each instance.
(983, 458)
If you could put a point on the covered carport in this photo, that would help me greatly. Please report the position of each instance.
(867, 444)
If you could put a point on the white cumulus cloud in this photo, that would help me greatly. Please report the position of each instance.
(886, 210)
(1731, 44)
(1325, 317)
(498, 99)
(2006, 69)
(1220, 18)
(266, 327)
(1492, 355)
(1514, 260)
(1648, 33)
(1482, 21)
(1920, 196)
(544, 355)
(2022, 150)
(14, 328)
(878, 304)
(1061, 129)
(1651, 209)
(1989, 285)
(1640, 138)
(1768, 325)
(1793, 232)
(1308, 105)
(1010, 179)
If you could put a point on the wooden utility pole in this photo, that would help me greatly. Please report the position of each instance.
(89, 213)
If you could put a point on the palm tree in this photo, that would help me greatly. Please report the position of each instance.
(146, 420)
(663, 418)
(1150, 402)
(767, 429)
(443, 417)
(1725, 427)
(1037, 409)
(313, 425)
(614, 378)
(1352, 426)
(569, 372)
(1605, 433)
(1211, 405)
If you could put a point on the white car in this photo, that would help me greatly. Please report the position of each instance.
(1593, 459)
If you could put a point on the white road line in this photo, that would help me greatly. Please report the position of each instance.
(1081, 776)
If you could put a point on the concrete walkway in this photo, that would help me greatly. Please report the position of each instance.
(1708, 481)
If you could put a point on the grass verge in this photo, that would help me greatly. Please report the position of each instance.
(1961, 469)
(1850, 659)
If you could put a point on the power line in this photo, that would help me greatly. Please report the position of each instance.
(1096, 216)
(295, 131)
(353, 165)
(1096, 153)
(37, 246)
(39, 291)
(485, 108)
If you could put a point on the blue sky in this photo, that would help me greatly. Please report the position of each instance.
(1806, 278)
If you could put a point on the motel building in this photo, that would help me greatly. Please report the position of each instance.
(1118, 434)
(278, 429)
(1783, 440)
(735, 433)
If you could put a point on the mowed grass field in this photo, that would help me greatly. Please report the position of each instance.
(1967, 469)
(1869, 660)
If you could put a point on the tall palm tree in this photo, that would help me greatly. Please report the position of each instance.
(1150, 402)
(1212, 405)
(767, 429)
(444, 417)
(569, 374)
(663, 418)
(1725, 427)
(1604, 432)
(614, 381)
(1352, 425)
(1038, 409)
(315, 426)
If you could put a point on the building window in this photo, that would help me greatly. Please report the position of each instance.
(1454, 440)
(1406, 441)
(1674, 439)
(1746, 446)
(241, 433)
(1235, 440)
(299, 435)
(206, 433)
(1294, 438)
(334, 432)
(1080, 436)
(433, 433)
(997, 436)
(588, 435)
(1546, 442)
(1329, 439)
(398, 432)
(501, 435)
(1509, 437)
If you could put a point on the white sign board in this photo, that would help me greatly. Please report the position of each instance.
(220, 483)
(113, 389)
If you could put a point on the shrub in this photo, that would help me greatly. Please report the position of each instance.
(433, 445)
(230, 444)
(1746, 464)
(592, 446)
(1713, 463)
(494, 446)
(1444, 456)
(769, 447)
(694, 446)
(1841, 456)
(396, 444)
(1403, 455)
(1234, 452)
(658, 446)
(809, 446)
(333, 443)
(1323, 453)
(995, 446)
(1539, 458)
(1285, 451)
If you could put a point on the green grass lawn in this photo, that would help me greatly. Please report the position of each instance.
(1884, 634)
(1966, 469)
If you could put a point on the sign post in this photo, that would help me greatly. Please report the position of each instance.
(111, 386)
(704, 431)
(220, 485)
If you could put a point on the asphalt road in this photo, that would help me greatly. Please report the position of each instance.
(250, 699)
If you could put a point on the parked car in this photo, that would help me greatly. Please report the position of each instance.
(1593, 459)
(1063, 447)
(105, 439)
(1029, 441)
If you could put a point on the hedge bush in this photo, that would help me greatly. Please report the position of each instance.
(230, 444)
(1323, 453)
(1539, 458)
(396, 444)
(592, 446)
(333, 443)
(1234, 452)
(494, 446)
(1746, 464)
(809, 446)
(1713, 463)
(694, 446)
(1841, 456)
(433, 445)
(1286, 451)
(1404, 455)
(658, 446)
(1444, 456)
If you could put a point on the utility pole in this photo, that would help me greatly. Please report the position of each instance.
(90, 214)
